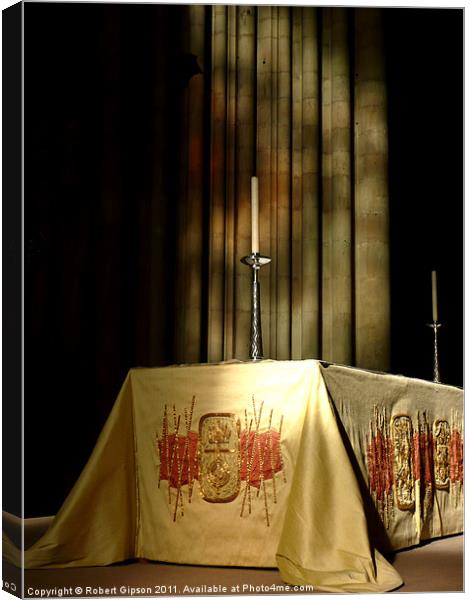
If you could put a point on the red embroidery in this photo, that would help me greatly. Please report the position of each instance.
(172, 460)
(456, 457)
(264, 443)
(259, 457)
(424, 465)
(380, 465)
(423, 454)
(379, 462)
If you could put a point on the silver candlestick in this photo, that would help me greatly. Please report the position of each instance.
(256, 261)
(435, 326)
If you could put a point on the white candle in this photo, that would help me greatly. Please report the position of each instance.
(434, 296)
(254, 216)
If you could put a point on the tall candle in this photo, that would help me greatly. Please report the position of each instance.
(254, 216)
(434, 296)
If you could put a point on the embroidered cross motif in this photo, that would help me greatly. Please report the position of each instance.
(219, 449)
(220, 456)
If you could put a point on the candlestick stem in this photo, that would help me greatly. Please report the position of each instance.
(256, 261)
(436, 376)
(256, 337)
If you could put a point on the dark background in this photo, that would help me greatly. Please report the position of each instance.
(102, 84)
(424, 58)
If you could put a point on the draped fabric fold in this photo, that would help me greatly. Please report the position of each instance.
(349, 562)
(288, 94)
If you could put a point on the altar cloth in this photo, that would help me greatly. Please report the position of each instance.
(234, 464)
(391, 419)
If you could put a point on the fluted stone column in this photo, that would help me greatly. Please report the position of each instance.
(311, 290)
(283, 214)
(336, 198)
(372, 284)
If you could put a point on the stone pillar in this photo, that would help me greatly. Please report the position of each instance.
(283, 215)
(372, 287)
(310, 186)
(336, 199)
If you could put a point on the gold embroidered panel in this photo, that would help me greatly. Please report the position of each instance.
(220, 456)
(409, 460)
(402, 435)
(219, 466)
(441, 435)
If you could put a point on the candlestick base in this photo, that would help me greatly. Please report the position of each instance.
(436, 376)
(256, 261)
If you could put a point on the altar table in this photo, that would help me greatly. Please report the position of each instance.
(259, 464)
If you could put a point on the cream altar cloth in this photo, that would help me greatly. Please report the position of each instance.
(407, 439)
(235, 464)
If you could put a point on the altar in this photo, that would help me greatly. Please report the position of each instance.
(312, 468)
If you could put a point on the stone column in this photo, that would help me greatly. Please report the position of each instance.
(372, 288)
(310, 186)
(336, 179)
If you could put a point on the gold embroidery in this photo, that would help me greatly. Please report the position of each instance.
(186, 457)
(159, 471)
(423, 472)
(261, 455)
(177, 455)
(261, 459)
(175, 447)
(279, 451)
(187, 449)
(175, 452)
(402, 436)
(248, 466)
(219, 439)
(252, 458)
(220, 456)
(441, 435)
(271, 455)
(167, 449)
